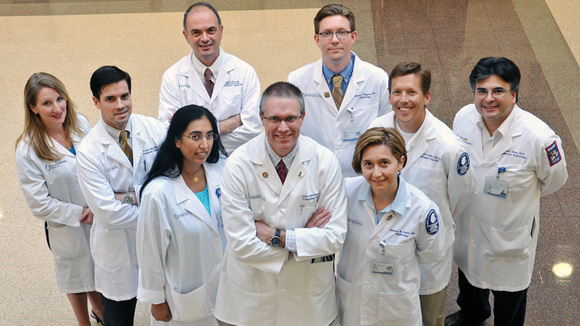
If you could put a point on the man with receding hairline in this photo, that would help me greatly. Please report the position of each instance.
(212, 78)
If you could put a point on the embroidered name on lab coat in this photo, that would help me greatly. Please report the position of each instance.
(430, 157)
(233, 83)
(55, 165)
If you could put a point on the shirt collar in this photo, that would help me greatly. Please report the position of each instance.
(114, 132)
(275, 158)
(399, 205)
(200, 67)
(346, 73)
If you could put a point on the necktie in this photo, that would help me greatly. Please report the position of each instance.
(282, 171)
(125, 147)
(208, 83)
(337, 93)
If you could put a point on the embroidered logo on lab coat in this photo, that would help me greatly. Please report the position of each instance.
(432, 222)
(553, 152)
(463, 163)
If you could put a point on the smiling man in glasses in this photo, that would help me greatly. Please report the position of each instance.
(516, 158)
(343, 94)
(278, 266)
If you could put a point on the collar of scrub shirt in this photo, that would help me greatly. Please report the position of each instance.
(200, 67)
(114, 132)
(346, 74)
(399, 205)
(488, 142)
(275, 158)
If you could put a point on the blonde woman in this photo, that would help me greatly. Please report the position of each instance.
(46, 163)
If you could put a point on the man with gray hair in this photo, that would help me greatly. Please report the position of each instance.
(277, 194)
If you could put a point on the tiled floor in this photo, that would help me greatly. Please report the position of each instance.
(72, 38)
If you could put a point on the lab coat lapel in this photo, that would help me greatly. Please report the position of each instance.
(192, 203)
(297, 171)
(506, 142)
(263, 166)
(226, 69)
(356, 80)
(323, 90)
(137, 141)
(420, 146)
(215, 192)
(112, 149)
(476, 152)
(188, 71)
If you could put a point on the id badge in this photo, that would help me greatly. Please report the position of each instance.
(351, 132)
(495, 187)
(385, 268)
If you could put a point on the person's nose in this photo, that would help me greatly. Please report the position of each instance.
(283, 126)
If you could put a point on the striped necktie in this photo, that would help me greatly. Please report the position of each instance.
(207, 82)
(125, 147)
(337, 93)
(282, 171)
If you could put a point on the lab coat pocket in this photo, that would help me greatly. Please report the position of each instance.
(343, 292)
(399, 308)
(511, 243)
(231, 102)
(321, 278)
(188, 306)
(67, 241)
(109, 248)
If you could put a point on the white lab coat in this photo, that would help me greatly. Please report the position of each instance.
(51, 190)
(260, 284)
(496, 238)
(390, 295)
(439, 166)
(104, 169)
(366, 98)
(236, 91)
(180, 248)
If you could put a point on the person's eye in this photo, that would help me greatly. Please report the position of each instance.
(342, 33)
(290, 119)
(194, 137)
(498, 91)
(325, 34)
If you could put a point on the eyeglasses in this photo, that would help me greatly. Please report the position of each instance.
(341, 35)
(197, 136)
(277, 120)
(497, 92)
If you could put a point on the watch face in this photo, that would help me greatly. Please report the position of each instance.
(275, 241)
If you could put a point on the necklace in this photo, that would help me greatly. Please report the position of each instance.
(194, 176)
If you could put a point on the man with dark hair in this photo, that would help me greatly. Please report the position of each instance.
(437, 164)
(343, 94)
(212, 78)
(278, 266)
(112, 162)
(517, 158)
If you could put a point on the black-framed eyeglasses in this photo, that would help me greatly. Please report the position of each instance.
(341, 35)
(277, 120)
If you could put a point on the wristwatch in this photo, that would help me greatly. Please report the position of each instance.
(275, 240)
(128, 199)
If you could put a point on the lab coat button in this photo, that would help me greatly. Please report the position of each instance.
(367, 283)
